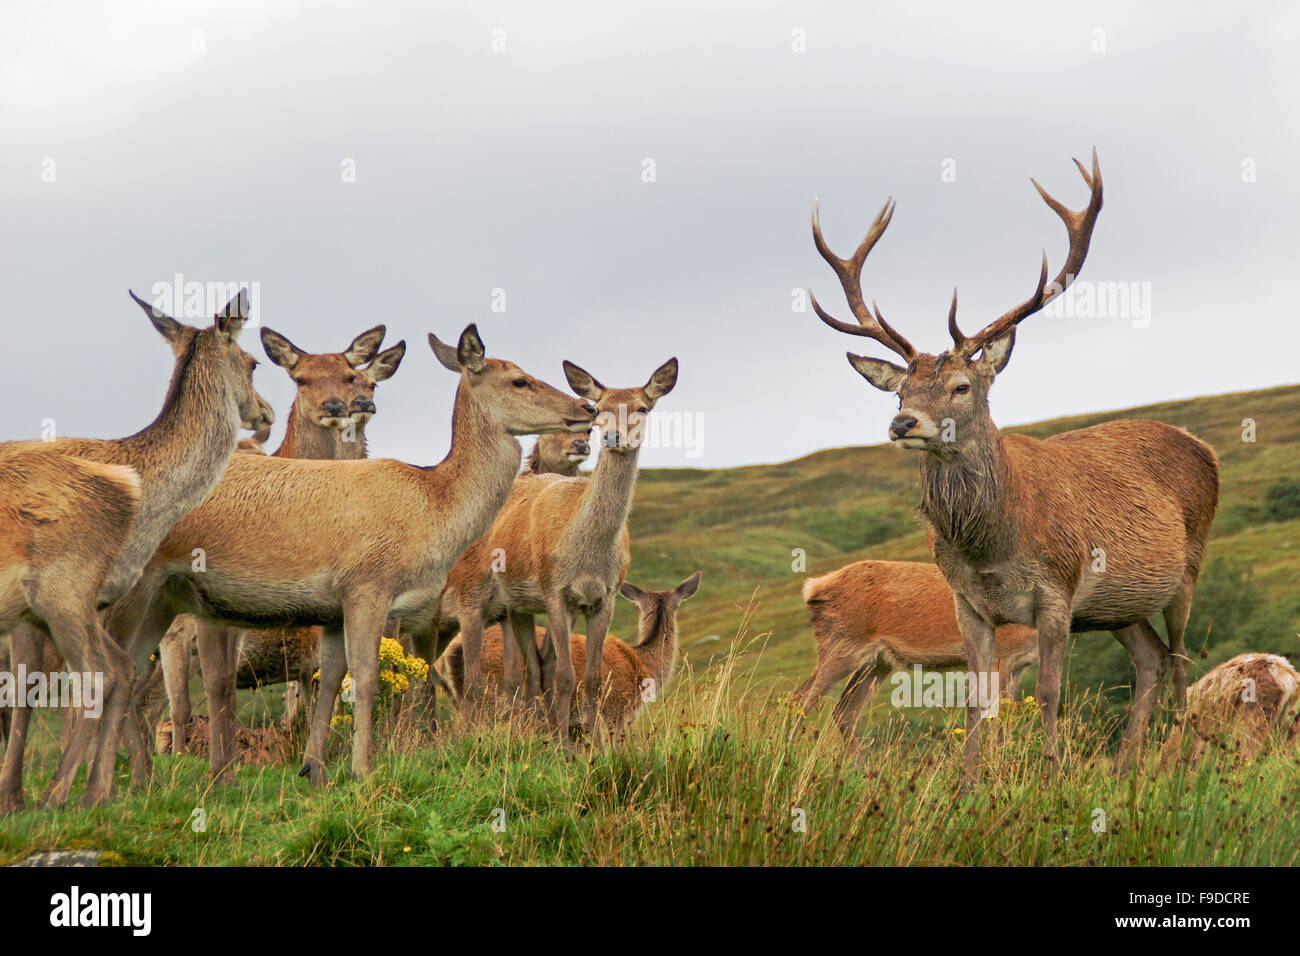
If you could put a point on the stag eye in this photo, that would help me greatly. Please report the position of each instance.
(520, 383)
(961, 389)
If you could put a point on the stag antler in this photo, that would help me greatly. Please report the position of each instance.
(1079, 226)
(850, 274)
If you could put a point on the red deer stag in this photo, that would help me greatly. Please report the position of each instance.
(345, 544)
(870, 617)
(1094, 529)
(179, 458)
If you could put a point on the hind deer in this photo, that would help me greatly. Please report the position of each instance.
(565, 547)
(631, 675)
(870, 617)
(1094, 529)
(345, 544)
(179, 459)
(335, 400)
(557, 454)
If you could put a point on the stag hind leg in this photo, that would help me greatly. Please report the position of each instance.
(1150, 659)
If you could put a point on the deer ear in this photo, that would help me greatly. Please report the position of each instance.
(230, 320)
(279, 349)
(167, 327)
(386, 362)
(631, 592)
(884, 375)
(583, 383)
(662, 381)
(364, 346)
(470, 351)
(994, 355)
(688, 587)
(445, 353)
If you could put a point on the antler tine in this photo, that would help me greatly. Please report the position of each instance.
(1079, 226)
(849, 272)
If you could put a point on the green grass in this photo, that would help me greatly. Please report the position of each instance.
(715, 772)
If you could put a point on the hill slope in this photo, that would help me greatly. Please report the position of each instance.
(741, 526)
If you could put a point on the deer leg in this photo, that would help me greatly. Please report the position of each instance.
(471, 639)
(593, 678)
(565, 681)
(1053, 623)
(425, 645)
(525, 630)
(1150, 658)
(848, 709)
(978, 637)
(216, 661)
(174, 652)
(1175, 624)
(103, 765)
(333, 665)
(512, 663)
(363, 626)
(78, 646)
(26, 644)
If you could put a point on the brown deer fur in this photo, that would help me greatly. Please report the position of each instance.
(565, 547)
(334, 402)
(1095, 529)
(870, 617)
(629, 674)
(557, 454)
(179, 459)
(344, 544)
(1243, 704)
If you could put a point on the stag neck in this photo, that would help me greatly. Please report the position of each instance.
(966, 494)
(657, 648)
(304, 438)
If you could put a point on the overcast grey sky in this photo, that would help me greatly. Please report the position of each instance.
(214, 140)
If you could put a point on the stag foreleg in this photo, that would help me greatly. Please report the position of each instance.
(1053, 623)
(978, 637)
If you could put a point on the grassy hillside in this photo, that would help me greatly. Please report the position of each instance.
(741, 525)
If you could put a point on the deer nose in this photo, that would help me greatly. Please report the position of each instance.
(333, 407)
(363, 405)
(901, 425)
(581, 447)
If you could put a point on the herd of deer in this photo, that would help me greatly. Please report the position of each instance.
(113, 548)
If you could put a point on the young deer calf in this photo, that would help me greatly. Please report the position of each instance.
(1244, 703)
(630, 675)
(870, 617)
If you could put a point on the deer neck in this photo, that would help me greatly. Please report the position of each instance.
(607, 499)
(966, 495)
(180, 457)
(304, 438)
(657, 648)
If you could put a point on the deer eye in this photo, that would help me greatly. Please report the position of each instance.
(352, 379)
(961, 389)
(300, 381)
(520, 383)
(643, 410)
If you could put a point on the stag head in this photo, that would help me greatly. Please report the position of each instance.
(943, 396)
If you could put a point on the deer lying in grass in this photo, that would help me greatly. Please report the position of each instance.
(64, 523)
(559, 548)
(1243, 704)
(871, 617)
(557, 454)
(179, 459)
(345, 544)
(335, 400)
(1094, 529)
(630, 675)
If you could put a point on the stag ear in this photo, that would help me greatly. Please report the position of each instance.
(470, 350)
(688, 587)
(662, 381)
(631, 592)
(445, 353)
(582, 382)
(884, 375)
(386, 362)
(994, 355)
(230, 320)
(167, 327)
(364, 346)
(279, 349)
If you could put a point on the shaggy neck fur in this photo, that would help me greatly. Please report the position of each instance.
(657, 648)
(305, 438)
(964, 494)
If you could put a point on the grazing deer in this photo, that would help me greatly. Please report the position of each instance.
(335, 400)
(557, 454)
(64, 523)
(345, 544)
(870, 617)
(1246, 703)
(1094, 529)
(559, 548)
(179, 459)
(631, 675)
